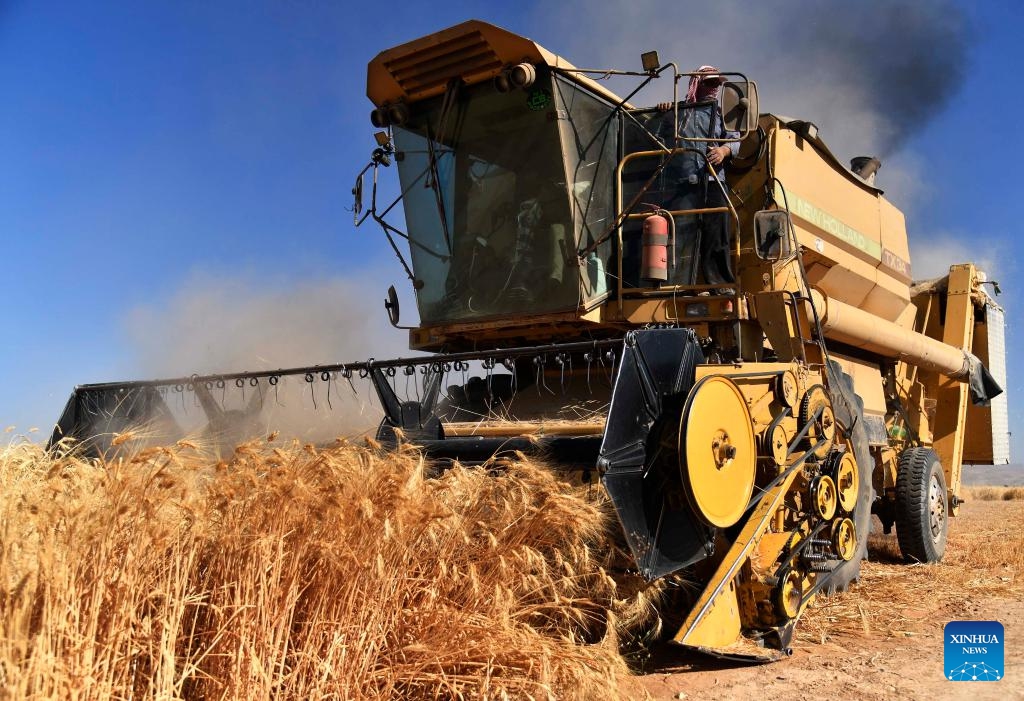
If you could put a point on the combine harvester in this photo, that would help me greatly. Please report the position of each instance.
(744, 432)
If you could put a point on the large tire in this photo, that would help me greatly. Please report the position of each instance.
(922, 520)
(849, 412)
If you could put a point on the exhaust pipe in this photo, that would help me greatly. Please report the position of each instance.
(866, 167)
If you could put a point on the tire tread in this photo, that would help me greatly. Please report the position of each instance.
(913, 477)
(849, 572)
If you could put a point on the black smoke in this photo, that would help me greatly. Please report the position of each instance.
(908, 58)
(869, 74)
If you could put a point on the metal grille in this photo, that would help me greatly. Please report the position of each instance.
(431, 68)
(997, 366)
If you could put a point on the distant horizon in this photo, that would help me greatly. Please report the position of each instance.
(1011, 475)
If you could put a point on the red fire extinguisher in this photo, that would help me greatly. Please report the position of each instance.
(655, 240)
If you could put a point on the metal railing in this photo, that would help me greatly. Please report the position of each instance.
(624, 216)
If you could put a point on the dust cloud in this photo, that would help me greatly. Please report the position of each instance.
(217, 323)
(220, 324)
(943, 250)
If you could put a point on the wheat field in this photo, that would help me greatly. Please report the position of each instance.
(347, 572)
(294, 572)
(993, 493)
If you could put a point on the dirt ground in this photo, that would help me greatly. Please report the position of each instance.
(884, 638)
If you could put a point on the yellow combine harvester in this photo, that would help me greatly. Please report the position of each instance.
(745, 430)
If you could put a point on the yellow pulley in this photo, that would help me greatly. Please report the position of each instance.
(718, 456)
(844, 538)
(823, 496)
(789, 594)
(847, 479)
(786, 389)
(777, 440)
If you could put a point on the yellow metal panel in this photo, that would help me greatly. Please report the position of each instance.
(853, 286)
(978, 440)
(895, 260)
(908, 317)
(889, 299)
(823, 203)
(855, 240)
(867, 382)
(700, 624)
(720, 626)
(673, 309)
(778, 323)
(951, 407)
(474, 51)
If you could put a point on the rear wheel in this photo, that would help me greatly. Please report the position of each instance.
(922, 519)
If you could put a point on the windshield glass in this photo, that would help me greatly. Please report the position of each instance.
(590, 146)
(486, 204)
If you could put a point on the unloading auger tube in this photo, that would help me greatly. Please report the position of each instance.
(855, 327)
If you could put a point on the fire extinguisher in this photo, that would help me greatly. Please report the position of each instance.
(655, 241)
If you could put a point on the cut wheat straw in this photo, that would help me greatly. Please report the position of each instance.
(984, 558)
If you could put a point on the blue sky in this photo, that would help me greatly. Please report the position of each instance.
(148, 145)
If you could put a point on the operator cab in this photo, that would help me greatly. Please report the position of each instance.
(525, 183)
(500, 191)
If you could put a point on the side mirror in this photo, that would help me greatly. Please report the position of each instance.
(772, 234)
(357, 193)
(739, 107)
(391, 306)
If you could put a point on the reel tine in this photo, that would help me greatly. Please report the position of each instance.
(312, 394)
(273, 381)
(390, 374)
(564, 359)
(541, 361)
(488, 366)
(326, 377)
(254, 382)
(347, 374)
(180, 389)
